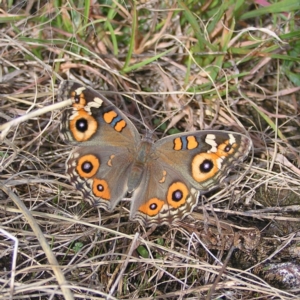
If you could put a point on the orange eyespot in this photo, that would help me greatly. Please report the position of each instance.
(177, 194)
(101, 189)
(79, 101)
(83, 126)
(87, 166)
(152, 207)
(205, 165)
(226, 148)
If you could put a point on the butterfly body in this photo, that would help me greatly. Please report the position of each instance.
(164, 177)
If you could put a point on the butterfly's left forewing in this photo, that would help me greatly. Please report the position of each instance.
(92, 119)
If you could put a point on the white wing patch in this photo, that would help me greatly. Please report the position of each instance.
(210, 140)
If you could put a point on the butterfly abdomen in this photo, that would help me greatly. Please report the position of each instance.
(143, 155)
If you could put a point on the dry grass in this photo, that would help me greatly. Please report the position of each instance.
(189, 67)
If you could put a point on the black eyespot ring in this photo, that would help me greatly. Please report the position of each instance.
(206, 166)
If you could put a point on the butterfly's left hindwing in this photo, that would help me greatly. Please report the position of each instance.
(165, 178)
(97, 174)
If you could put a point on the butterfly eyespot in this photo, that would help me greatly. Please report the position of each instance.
(79, 100)
(152, 207)
(101, 189)
(87, 166)
(177, 194)
(205, 165)
(227, 148)
(83, 126)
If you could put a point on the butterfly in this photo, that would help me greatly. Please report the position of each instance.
(164, 177)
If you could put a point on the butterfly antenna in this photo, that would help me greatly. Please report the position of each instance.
(149, 132)
(182, 103)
